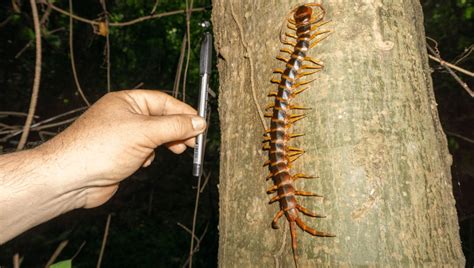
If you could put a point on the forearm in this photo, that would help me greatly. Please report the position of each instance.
(32, 191)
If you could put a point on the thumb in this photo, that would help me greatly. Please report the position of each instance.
(168, 128)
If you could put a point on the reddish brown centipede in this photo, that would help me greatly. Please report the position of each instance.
(281, 154)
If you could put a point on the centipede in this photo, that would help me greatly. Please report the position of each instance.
(303, 33)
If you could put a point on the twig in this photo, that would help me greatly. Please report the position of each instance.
(459, 69)
(249, 57)
(206, 179)
(56, 253)
(23, 49)
(193, 236)
(179, 68)
(196, 205)
(7, 113)
(139, 85)
(6, 21)
(36, 82)
(153, 10)
(120, 24)
(107, 43)
(154, 16)
(78, 250)
(104, 241)
(71, 51)
(16, 260)
(188, 34)
(465, 54)
(435, 52)
(198, 242)
(459, 136)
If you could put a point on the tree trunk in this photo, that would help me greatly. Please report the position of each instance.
(373, 137)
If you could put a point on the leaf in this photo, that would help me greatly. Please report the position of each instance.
(62, 264)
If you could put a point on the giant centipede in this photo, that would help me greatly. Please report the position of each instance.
(306, 34)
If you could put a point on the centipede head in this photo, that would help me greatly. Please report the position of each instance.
(303, 13)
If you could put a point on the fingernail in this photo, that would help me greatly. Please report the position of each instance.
(198, 123)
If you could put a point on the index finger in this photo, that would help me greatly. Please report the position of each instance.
(159, 103)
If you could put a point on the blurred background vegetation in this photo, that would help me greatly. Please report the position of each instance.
(144, 228)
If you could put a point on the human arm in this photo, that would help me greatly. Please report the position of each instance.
(82, 166)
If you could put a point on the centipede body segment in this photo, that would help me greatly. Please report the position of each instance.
(305, 33)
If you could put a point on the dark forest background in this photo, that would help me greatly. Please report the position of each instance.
(148, 207)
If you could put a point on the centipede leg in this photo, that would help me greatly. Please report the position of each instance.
(295, 135)
(272, 94)
(286, 50)
(298, 153)
(318, 33)
(302, 176)
(294, 242)
(276, 218)
(291, 148)
(296, 117)
(275, 80)
(313, 60)
(309, 213)
(306, 73)
(317, 41)
(278, 70)
(282, 58)
(298, 107)
(291, 27)
(272, 189)
(291, 35)
(303, 83)
(319, 24)
(290, 43)
(296, 92)
(274, 199)
(293, 159)
(270, 105)
(303, 193)
(310, 230)
(319, 67)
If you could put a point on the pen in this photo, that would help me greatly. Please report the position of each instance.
(205, 72)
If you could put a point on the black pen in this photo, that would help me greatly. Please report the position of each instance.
(205, 72)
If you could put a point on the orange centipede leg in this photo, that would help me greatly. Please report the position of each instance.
(282, 58)
(294, 242)
(310, 230)
(276, 218)
(298, 107)
(272, 189)
(303, 193)
(307, 212)
(302, 176)
(317, 41)
(296, 92)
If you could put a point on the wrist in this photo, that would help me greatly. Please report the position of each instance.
(31, 192)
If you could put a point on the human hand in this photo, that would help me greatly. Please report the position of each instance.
(115, 137)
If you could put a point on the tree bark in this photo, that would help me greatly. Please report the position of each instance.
(373, 137)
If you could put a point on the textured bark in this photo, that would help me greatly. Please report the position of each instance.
(373, 137)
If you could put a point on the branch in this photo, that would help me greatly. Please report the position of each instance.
(120, 24)
(73, 63)
(36, 81)
(459, 69)
(56, 253)
(444, 64)
(460, 136)
(104, 240)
